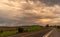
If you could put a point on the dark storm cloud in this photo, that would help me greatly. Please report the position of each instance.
(9, 22)
(51, 2)
(48, 2)
(3, 20)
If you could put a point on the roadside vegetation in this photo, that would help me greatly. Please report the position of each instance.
(19, 30)
(7, 33)
(32, 28)
(58, 28)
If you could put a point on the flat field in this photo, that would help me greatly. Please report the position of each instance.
(7, 31)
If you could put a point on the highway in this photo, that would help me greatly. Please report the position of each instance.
(55, 33)
(44, 33)
(32, 34)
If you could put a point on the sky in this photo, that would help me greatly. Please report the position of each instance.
(29, 12)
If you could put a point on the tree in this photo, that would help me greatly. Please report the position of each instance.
(58, 27)
(47, 25)
(1, 31)
(20, 30)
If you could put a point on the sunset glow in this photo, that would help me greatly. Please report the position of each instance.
(29, 12)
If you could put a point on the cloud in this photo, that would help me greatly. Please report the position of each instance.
(48, 2)
(28, 12)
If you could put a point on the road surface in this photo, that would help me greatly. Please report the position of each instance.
(55, 33)
(32, 34)
(44, 33)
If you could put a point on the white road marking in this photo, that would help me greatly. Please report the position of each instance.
(47, 35)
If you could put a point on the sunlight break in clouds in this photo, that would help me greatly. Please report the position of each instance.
(29, 12)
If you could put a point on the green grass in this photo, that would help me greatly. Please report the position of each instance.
(7, 33)
(33, 28)
(28, 29)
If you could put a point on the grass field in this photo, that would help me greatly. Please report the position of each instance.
(12, 32)
(6, 33)
(33, 28)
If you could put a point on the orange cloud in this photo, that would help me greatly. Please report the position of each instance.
(29, 12)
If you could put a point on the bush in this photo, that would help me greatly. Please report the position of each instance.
(58, 27)
(47, 25)
(20, 30)
(1, 31)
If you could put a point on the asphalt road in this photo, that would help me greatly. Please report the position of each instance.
(44, 33)
(32, 34)
(55, 33)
